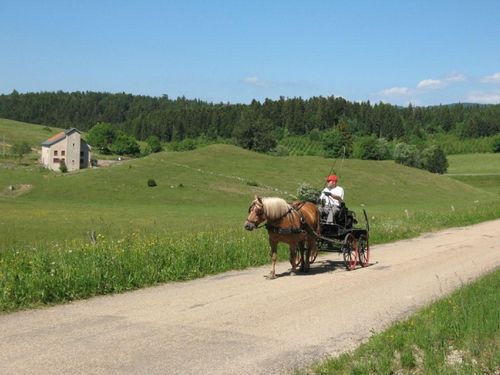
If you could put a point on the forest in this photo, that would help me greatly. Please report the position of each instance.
(178, 119)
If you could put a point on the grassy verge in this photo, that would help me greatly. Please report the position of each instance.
(63, 272)
(457, 335)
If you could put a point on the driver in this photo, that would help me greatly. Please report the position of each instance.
(331, 198)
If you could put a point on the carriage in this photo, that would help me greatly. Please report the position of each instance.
(343, 236)
(301, 225)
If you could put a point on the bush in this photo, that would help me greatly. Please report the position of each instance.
(279, 150)
(62, 166)
(434, 160)
(371, 148)
(151, 183)
(496, 144)
(153, 144)
(406, 154)
(315, 135)
(187, 144)
(21, 149)
(307, 192)
(337, 143)
(125, 145)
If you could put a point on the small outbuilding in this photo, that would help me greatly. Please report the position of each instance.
(68, 147)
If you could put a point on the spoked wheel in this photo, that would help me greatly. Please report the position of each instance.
(350, 252)
(363, 250)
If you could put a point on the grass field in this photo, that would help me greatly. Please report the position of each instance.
(208, 187)
(478, 170)
(198, 208)
(12, 132)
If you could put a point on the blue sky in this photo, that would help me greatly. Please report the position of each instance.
(423, 52)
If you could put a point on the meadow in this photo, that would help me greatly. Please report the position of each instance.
(103, 230)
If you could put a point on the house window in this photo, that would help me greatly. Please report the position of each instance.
(81, 153)
(55, 152)
(81, 161)
(55, 160)
(63, 153)
(63, 159)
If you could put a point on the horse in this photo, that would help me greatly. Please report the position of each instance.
(295, 224)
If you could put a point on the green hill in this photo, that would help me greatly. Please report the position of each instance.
(12, 132)
(205, 188)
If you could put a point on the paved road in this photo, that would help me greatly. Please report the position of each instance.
(241, 323)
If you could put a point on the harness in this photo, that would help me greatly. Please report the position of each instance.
(291, 230)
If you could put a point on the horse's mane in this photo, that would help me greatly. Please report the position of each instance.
(274, 208)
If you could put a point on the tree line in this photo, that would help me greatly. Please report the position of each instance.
(256, 125)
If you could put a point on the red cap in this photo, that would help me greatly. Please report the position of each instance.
(332, 177)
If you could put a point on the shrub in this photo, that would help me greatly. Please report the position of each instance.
(62, 167)
(151, 183)
(279, 150)
(315, 135)
(125, 145)
(371, 148)
(21, 149)
(337, 143)
(153, 144)
(187, 144)
(496, 144)
(434, 160)
(406, 154)
(307, 192)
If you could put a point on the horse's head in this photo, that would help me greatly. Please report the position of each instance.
(255, 214)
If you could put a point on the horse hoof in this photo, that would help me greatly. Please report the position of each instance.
(271, 276)
(293, 273)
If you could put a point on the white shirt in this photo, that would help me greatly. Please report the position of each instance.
(330, 201)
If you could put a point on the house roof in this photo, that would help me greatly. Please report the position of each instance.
(58, 137)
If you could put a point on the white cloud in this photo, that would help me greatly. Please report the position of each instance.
(430, 84)
(484, 97)
(494, 78)
(455, 78)
(255, 81)
(395, 91)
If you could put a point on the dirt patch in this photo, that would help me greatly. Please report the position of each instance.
(16, 190)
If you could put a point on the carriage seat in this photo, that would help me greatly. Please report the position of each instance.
(343, 217)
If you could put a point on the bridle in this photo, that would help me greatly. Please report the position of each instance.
(255, 222)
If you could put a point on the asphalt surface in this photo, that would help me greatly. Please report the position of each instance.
(241, 323)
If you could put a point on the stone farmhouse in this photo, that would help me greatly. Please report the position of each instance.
(67, 146)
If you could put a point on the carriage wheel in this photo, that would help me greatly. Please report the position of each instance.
(363, 250)
(349, 251)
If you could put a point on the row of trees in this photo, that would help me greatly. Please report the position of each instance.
(109, 140)
(175, 120)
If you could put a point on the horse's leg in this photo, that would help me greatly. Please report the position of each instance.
(293, 257)
(306, 256)
(311, 249)
(274, 257)
(301, 250)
